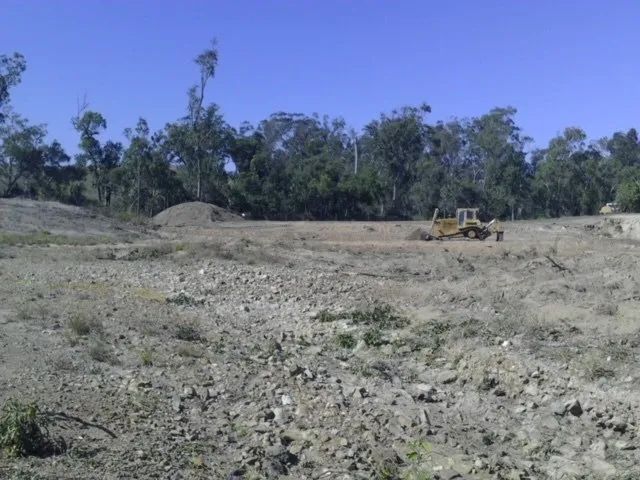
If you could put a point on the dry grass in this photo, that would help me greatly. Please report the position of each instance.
(595, 366)
(32, 311)
(146, 357)
(188, 332)
(101, 352)
(242, 250)
(44, 238)
(80, 324)
(189, 351)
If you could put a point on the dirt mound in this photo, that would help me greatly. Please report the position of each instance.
(625, 226)
(23, 216)
(194, 214)
(417, 234)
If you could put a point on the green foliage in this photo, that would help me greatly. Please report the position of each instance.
(397, 142)
(388, 471)
(146, 357)
(346, 340)
(382, 316)
(325, 316)
(418, 450)
(11, 69)
(182, 298)
(373, 337)
(23, 430)
(188, 332)
(629, 195)
(100, 159)
(295, 166)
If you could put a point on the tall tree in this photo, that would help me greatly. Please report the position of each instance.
(207, 61)
(99, 159)
(200, 141)
(396, 143)
(11, 69)
(569, 175)
(22, 155)
(138, 156)
(147, 183)
(496, 148)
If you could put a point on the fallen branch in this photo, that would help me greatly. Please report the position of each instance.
(65, 416)
(559, 266)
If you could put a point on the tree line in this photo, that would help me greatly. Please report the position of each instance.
(296, 166)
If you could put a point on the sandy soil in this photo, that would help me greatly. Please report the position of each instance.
(265, 350)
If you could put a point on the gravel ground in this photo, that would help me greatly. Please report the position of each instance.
(257, 350)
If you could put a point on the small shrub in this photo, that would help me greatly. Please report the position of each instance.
(326, 316)
(416, 473)
(387, 472)
(361, 368)
(597, 367)
(189, 351)
(131, 217)
(62, 364)
(183, 298)
(418, 450)
(23, 430)
(100, 352)
(149, 252)
(346, 340)
(384, 316)
(373, 337)
(81, 325)
(24, 313)
(146, 357)
(608, 309)
(188, 332)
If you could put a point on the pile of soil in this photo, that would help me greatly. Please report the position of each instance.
(24, 216)
(194, 214)
(417, 234)
(618, 226)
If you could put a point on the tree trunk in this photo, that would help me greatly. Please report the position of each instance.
(199, 186)
(512, 213)
(138, 204)
(355, 150)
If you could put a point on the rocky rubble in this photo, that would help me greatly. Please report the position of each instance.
(253, 367)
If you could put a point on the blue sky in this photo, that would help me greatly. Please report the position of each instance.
(560, 63)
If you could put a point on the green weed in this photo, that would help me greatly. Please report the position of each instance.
(23, 430)
(146, 357)
(189, 332)
(346, 340)
(373, 337)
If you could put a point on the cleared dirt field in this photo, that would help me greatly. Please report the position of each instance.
(311, 350)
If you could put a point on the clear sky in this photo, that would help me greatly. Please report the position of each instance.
(559, 62)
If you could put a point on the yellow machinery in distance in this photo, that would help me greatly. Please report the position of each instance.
(465, 224)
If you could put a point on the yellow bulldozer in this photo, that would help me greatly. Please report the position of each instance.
(466, 224)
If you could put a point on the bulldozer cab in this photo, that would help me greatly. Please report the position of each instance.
(467, 216)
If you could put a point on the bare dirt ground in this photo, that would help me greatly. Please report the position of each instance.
(308, 350)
